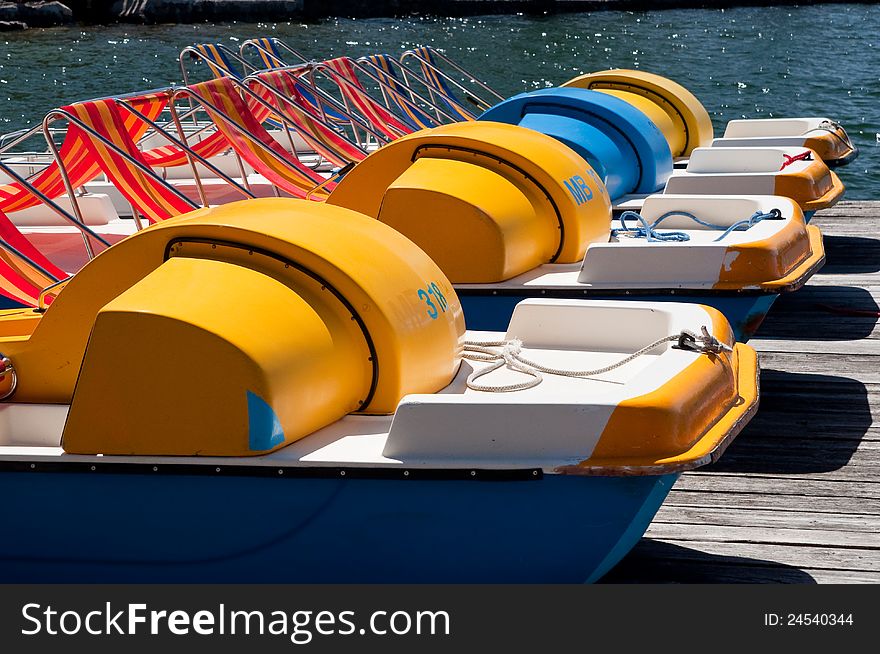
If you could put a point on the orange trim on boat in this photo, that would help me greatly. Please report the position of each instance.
(677, 427)
(783, 262)
(813, 188)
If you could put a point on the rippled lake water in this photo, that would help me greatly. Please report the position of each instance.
(745, 62)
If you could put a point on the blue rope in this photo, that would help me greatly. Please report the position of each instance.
(649, 232)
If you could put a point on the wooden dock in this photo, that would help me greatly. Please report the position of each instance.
(796, 498)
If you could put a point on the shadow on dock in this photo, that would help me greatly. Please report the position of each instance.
(822, 313)
(807, 423)
(851, 255)
(657, 562)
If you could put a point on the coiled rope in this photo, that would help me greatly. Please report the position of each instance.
(649, 231)
(510, 357)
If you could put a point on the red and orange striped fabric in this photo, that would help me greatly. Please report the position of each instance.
(169, 156)
(11, 235)
(80, 166)
(19, 281)
(329, 143)
(14, 287)
(150, 195)
(377, 115)
(15, 196)
(262, 152)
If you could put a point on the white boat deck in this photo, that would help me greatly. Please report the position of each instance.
(558, 422)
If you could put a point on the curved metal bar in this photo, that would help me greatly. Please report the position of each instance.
(356, 121)
(406, 73)
(283, 98)
(190, 50)
(385, 85)
(357, 62)
(41, 300)
(251, 43)
(58, 114)
(242, 84)
(170, 123)
(277, 42)
(457, 67)
(322, 95)
(15, 135)
(30, 262)
(191, 154)
(195, 54)
(49, 202)
(321, 67)
(420, 75)
(74, 203)
(189, 93)
(18, 137)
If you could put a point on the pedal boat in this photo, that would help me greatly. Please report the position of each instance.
(623, 146)
(827, 138)
(686, 124)
(633, 155)
(328, 429)
(509, 213)
(789, 172)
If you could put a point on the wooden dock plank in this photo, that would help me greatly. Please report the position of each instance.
(812, 504)
(865, 347)
(781, 485)
(796, 498)
(856, 549)
(727, 516)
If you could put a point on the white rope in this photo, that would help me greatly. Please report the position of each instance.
(510, 357)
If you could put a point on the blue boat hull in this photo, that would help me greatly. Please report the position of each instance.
(745, 313)
(143, 527)
(9, 303)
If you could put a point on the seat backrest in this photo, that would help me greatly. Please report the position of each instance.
(342, 72)
(270, 54)
(168, 155)
(147, 192)
(74, 156)
(230, 114)
(445, 94)
(287, 98)
(218, 61)
(398, 92)
(20, 281)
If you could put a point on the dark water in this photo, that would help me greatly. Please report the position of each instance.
(746, 62)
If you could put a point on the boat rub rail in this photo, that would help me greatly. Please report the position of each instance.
(88, 465)
(708, 448)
